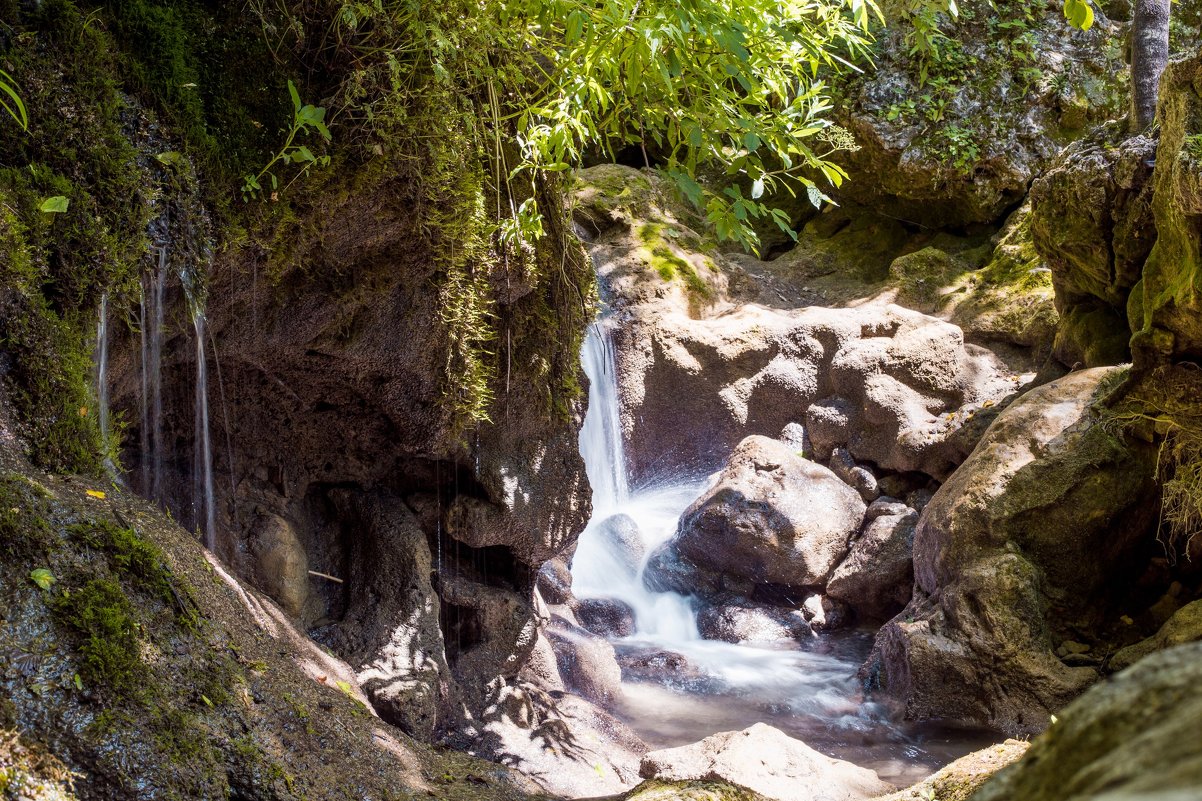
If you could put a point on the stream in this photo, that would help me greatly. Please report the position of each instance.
(808, 689)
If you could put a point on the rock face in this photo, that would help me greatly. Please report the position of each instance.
(876, 578)
(1135, 736)
(879, 381)
(1092, 221)
(766, 761)
(1025, 541)
(391, 634)
(339, 387)
(772, 517)
(1003, 100)
(738, 623)
(1184, 626)
(1164, 308)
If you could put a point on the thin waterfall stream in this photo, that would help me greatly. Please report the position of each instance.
(809, 690)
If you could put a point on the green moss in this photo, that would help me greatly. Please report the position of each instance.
(24, 532)
(669, 260)
(128, 555)
(109, 648)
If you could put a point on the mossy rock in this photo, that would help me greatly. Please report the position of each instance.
(1009, 298)
(655, 790)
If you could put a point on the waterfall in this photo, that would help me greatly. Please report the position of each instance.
(102, 382)
(601, 435)
(150, 319)
(599, 568)
(202, 451)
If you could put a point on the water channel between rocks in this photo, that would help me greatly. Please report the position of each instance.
(694, 687)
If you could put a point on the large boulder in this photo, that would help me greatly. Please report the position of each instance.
(879, 380)
(767, 761)
(742, 622)
(876, 578)
(1134, 737)
(1184, 626)
(1024, 544)
(1092, 221)
(771, 517)
(954, 140)
(1165, 309)
(586, 662)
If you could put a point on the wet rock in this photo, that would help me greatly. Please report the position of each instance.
(554, 581)
(737, 623)
(1183, 627)
(391, 635)
(605, 617)
(621, 536)
(282, 567)
(766, 761)
(771, 517)
(640, 663)
(883, 506)
(1049, 509)
(825, 613)
(1135, 736)
(586, 662)
(901, 166)
(1092, 222)
(667, 570)
(876, 578)
(959, 780)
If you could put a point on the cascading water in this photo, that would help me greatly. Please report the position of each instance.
(202, 457)
(102, 381)
(810, 690)
(150, 318)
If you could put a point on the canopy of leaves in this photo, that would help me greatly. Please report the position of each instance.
(725, 88)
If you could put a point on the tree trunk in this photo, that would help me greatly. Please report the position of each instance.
(1149, 54)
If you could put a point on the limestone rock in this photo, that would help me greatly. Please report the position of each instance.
(766, 761)
(605, 617)
(1184, 626)
(1050, 512)
(772, 517)
(876, 578)
(738, 623)
(586, 662)
(998, 126)
(1135, 736)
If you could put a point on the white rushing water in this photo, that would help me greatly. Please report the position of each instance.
(102, 383)
(150, 318)
(808, 689)
(202, 458)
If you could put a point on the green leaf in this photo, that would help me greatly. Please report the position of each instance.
(43, 578)
(169, 158)
(77, 681)
(751, 142)
(1080, 14)
(574, 28)
(11, 101)
(296, 101)
(55, 205)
